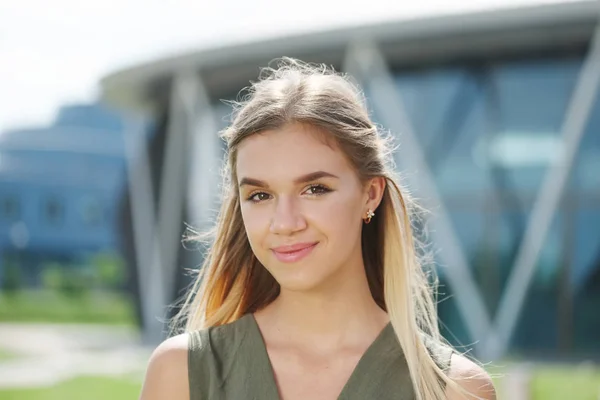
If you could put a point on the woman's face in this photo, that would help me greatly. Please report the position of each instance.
(302, 204)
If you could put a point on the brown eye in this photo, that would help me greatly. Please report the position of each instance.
(258, 197)
(318, 190)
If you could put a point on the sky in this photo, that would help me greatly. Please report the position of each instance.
(55, 52)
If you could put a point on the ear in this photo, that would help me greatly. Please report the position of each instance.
(374, 189)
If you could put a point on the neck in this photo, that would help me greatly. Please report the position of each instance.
(341, 310)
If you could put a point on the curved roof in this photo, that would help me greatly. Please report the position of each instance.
(409, 41)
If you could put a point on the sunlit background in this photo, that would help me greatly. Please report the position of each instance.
(108, 150)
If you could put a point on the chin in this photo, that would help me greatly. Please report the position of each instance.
(298, 285)
(299, 281)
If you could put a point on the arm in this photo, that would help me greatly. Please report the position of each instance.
(472, 378)
(167, 371)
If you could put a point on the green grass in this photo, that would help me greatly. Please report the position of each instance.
(6, 355)
(88, 388)
(51, 306)
(555, 382)
(573, 383)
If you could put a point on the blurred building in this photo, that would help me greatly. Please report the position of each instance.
(498, 120)
(60, 188)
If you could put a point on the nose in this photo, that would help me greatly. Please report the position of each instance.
(287, 217)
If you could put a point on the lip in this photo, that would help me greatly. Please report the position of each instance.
(294, 252)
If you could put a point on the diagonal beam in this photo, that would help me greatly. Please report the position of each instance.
(204, 161)
(365, 61)
(548, 199)
(157, 237)
(174, 180)
(139, 184)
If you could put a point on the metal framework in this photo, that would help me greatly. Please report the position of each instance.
(545, 206)
(189, 153)
(365, 62)
(147, 249)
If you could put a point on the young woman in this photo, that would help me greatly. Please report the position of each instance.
(312, 288)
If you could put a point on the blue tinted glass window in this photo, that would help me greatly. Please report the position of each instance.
(490, 132)
(586, 174)
(528, 102)
(585, 280)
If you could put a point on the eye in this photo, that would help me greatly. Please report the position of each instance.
(317, 190)
(257, 197)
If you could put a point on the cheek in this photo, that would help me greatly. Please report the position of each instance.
(337, 219)
(256, 224)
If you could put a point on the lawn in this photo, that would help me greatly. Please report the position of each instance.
(88, 388)
(557, 382)
(6, 355)
(51, 306)
(573, 383)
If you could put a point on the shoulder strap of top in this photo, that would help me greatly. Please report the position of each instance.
(211, 354)
(200, 368)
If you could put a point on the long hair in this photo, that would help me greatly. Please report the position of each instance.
(232, 282)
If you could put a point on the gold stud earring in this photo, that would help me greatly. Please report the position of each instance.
(370, 215)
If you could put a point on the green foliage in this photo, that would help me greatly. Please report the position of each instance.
(87, 292)
(103, 270)
(72, 281)
(11, 281)
(110, 270)
(52, 275)
(53, 306)
(76, 282)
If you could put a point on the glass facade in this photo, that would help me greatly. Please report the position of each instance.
(59, 191)
(490, 131)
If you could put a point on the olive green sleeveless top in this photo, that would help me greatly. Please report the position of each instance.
(230, 362)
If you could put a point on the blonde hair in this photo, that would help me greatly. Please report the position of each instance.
(232, 282)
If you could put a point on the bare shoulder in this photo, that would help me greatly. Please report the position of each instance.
(167, 371)
(472, 378)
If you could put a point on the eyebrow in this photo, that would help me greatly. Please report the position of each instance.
(313, 176)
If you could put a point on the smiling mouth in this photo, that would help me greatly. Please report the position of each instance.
(293, 253)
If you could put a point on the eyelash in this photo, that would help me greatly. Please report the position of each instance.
(322, 188)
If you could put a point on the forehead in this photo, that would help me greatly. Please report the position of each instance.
(291, 151)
